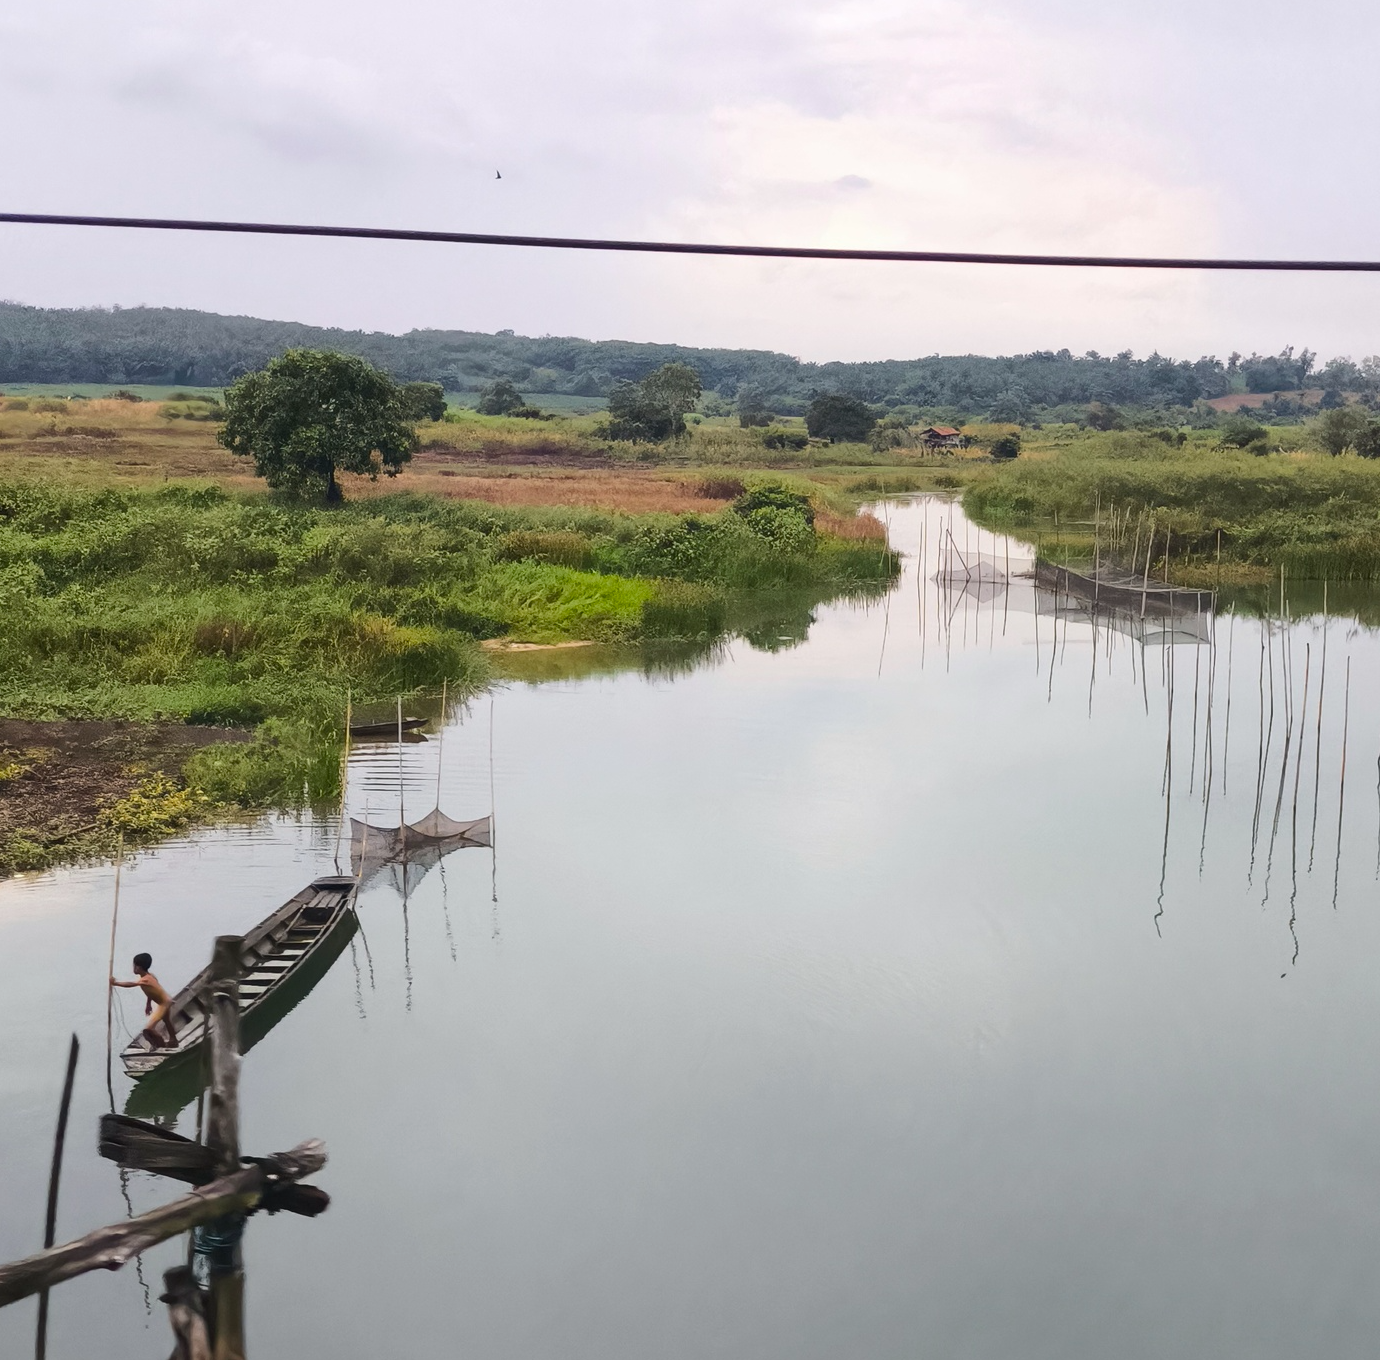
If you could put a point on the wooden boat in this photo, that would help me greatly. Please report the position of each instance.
(283, 957)
(381, 731)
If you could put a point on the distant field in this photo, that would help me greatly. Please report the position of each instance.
(1237, 401)
(97, 390)
(560, 402)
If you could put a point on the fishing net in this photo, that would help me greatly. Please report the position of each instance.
(420, 843)
(960, 568)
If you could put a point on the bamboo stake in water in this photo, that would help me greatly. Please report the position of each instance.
(440, 743)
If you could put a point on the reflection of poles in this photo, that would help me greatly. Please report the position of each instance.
(54, 1176)
(1341, 784)
(1317, 746)
(1226, 733)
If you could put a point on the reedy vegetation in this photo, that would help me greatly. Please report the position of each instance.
(188, 603)
(1310, 513)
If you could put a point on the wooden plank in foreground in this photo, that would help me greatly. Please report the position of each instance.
(111, 1247)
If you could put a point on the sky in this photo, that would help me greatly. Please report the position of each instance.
(1081, 126)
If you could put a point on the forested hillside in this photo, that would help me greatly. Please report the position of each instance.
(168, 345)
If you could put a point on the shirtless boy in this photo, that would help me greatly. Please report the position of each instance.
(156, 995)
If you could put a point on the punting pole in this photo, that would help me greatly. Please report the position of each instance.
(110, 973)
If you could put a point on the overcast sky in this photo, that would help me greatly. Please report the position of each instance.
(1051, 125)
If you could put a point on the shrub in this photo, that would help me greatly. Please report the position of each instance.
(785, 439)
(1008, 446)
(559, 549)
(16, 404)
(684, 610)
(123, 394)
(51, 408)
(772, 496)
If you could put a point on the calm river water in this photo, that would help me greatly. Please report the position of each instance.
(850, 999)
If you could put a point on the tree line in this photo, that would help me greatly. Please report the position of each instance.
(190, 348)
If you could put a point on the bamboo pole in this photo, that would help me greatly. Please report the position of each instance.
(110, 973)
(54, 1177)
(440, 743)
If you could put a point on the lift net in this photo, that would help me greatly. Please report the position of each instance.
(374, 846)
(957, 567)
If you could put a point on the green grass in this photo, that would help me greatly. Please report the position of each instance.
(190, 604)
(1311, 514)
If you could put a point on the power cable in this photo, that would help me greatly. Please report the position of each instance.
(696, 247)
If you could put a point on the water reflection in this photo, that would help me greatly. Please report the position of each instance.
(912, 988)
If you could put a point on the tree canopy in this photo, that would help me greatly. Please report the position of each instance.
(839, 417)
(654, 409)
(499, 398)
(309, 413)
(424, 400)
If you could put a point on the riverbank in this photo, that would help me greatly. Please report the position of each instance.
(192, 605)
(1309, 514)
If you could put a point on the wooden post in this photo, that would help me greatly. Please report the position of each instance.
(219, 1242)
(223, 1116)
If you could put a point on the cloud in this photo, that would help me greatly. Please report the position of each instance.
(943, 123)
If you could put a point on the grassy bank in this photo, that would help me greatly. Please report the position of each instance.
(194, 605)
(1313, 515)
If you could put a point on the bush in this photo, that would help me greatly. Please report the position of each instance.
(1100, 416)
(685, 611)
(773, 496)
(1008, 446)
(1240, 432)
(123, 394)
(559, 549)
(785, 439)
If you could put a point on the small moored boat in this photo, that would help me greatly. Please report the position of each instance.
(295, 944)
(381, 731)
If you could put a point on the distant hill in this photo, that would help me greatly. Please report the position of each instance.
(181, 347)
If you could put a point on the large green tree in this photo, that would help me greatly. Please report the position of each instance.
(654, 409)
(838, 417)
(309, 414)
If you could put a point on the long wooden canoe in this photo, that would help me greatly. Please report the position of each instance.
(297, 943)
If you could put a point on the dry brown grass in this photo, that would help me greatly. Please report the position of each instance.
(632, 492)
(849, 526)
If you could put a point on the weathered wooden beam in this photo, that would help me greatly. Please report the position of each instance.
(109, 1248)
(223, 1108)
(138, 1146)
(186, 1313)
(224, 1262)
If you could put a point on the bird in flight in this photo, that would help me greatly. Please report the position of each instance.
(498, 174)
